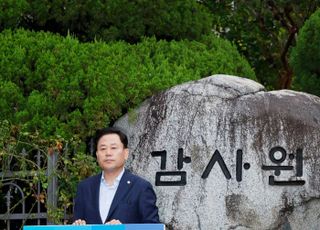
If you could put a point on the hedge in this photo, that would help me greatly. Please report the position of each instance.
(60, 86)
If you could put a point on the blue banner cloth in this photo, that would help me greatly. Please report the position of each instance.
(97, 227)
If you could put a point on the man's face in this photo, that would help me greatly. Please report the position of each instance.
(111, 154)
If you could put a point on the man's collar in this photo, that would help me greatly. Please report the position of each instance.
(116, 181)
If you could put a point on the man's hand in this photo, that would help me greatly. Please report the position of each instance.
(114, 221)
(79, 222)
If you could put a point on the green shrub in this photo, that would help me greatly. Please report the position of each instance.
(305, 56)
(58, 86)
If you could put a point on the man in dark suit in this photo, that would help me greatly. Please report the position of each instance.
(116, 195)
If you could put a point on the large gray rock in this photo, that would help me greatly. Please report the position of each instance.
(220, 135)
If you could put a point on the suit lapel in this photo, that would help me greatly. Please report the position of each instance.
(125, 185)
(96, 191)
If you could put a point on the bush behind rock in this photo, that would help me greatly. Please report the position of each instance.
(59, 86)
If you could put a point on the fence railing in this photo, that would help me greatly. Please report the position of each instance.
(14, 209)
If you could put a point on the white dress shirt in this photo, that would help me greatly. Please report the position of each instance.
(106, 195)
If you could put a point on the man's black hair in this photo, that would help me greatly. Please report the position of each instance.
(111, 130)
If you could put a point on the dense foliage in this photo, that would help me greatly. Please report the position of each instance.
(305, 57)
(127, 20)
(264, 32)
(59, 86)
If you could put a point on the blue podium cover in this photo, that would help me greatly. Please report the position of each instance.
(97, 227)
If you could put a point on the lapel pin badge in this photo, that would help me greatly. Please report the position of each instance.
(128, 182)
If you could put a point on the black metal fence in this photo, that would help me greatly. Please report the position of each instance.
(15, 209)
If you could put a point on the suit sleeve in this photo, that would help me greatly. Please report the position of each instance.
(78, 212)
(147, 205)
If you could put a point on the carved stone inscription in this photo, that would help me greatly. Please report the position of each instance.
(225, 154)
